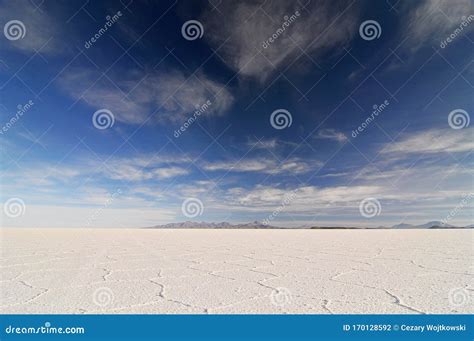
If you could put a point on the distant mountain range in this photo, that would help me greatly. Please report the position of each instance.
(429, 225)
(258, 225)
(222, 225)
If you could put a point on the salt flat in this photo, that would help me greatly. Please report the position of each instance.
(236, 271)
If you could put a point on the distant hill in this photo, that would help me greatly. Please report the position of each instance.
(433, 224)
(402, 226)
(222, 225)
(428, 225)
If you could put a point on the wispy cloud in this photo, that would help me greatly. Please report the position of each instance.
(269, 144)
(142, 168)
(432, 20)
(40, 28)
(263, 144)
(331, 134)
(263, 165)
(156, 97)
(241, 32)
(433, 141)
(305, 198)
(133, 169)
(132, 173)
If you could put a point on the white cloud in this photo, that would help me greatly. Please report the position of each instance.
(246, 25)
(133, 97)
(263, 144)
(40, 27)
(39, 175)
(180, 96)
(263, 165)
(432, 20)
(45, 177)
(170, 172)
(131, 172)
(425, 191)
(142, 168)
(334, 175)
(305, 198)
(331, 134)
(269, 144)
(433, 141)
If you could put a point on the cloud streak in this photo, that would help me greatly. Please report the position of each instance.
(41, 28)
(432, 20)
(239, 34)
(157, 97)
(263, 165)
(331, 134)
(433, 141)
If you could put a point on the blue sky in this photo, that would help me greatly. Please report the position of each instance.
(145, 76)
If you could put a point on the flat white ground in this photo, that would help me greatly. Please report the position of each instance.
(236, 271)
